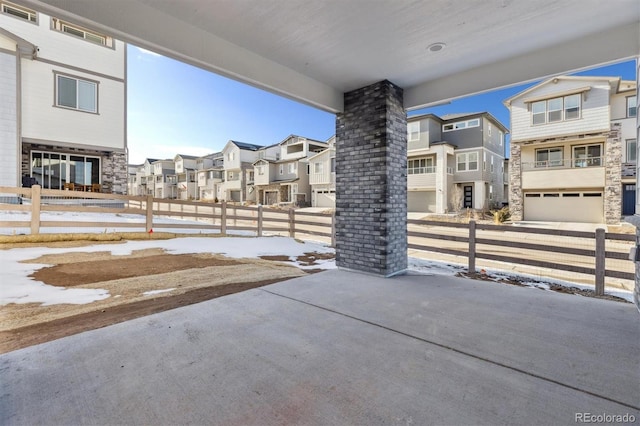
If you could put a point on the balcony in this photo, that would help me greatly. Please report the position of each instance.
(565, 173)
(421, 177)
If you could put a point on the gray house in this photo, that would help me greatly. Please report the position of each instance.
(455, 161)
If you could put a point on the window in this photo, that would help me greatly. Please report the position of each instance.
(419, 166)
(281, 169)
(231, 156)
(230, 176)
(556, 109)
(83, 33)
(292, 167)
(77, 94)
(491, 164)
(587, 155)
(260, 170)
(466, 162)
(461, 125)
(489, 129)
(333, 165)
(632, 106)
(484, 161)
(19, 12)
(549, 157)
(500, 137)
(317, 167)
(631, 151)
(54, 170)
(413, 129)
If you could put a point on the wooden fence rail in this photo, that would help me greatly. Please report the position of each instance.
(471, 240)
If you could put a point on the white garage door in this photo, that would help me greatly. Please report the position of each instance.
(325, 199)
(587, 206)
(421, 201)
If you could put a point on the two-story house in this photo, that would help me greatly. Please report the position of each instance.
(286, 179)
(455, 161)
(63, 104)
(322, 176)
(570, 137)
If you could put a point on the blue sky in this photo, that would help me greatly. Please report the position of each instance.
(175, 108)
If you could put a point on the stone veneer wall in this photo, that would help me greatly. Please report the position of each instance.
(516, 206)
(371, 181)
(613, 176)
(114, 164)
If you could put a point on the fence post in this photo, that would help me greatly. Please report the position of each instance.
(333, 229)
(223, 217)
(149, 219)
(600, 261)
(292, 223)
(260, 221)
(35, 209)
(472, 246)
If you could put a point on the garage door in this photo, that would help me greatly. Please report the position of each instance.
(325, 199)
(587, 206)
(421, 201)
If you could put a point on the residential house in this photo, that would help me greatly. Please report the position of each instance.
(286, 178)
(163, 183)
(322, 176)
(185, 170)
(238, 157)
(63, 104)
(133, 172)
(573, 150)
(455, 161)
(209, 175)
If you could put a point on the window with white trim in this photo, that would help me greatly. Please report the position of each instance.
(632, 150)
(419, 166)
(18, 11)
(281, 169)
(549, 157)
(587, 155)
(75, 93)
(317, 167)
(467, 162)
(632, 106)
(489, 129)
(260, 170)
(292, 167)
(461, 125)
(501, 137)
(413, 130)
(556, 109)
(491, 169)
(80, 32)
(484, 161)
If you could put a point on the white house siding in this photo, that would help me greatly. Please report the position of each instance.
(67, 49)
(8, 120)
(594, 112)
(43, 122)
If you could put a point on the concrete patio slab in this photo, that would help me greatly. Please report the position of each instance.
(341, 348)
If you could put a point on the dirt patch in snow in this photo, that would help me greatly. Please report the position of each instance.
(173, 280)
(528, 282)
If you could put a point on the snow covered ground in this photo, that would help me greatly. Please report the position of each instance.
(16, 287)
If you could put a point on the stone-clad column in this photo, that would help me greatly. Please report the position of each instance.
(371, 181)
(516, 202)
(613, 176)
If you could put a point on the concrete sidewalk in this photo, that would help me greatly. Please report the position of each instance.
(340, 348)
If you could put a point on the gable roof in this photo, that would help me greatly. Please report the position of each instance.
(613, 81)
(247, 146)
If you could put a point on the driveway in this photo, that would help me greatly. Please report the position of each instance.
(341, 348)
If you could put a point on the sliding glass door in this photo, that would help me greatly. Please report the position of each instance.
(54, 170)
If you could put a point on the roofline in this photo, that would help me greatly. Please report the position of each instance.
(507, 102)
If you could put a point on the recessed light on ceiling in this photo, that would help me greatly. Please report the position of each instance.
(436, 47)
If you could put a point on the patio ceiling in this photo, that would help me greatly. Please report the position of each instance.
(315, 50)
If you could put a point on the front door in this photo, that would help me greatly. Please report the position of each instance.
(628, 199)
(468, 196)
